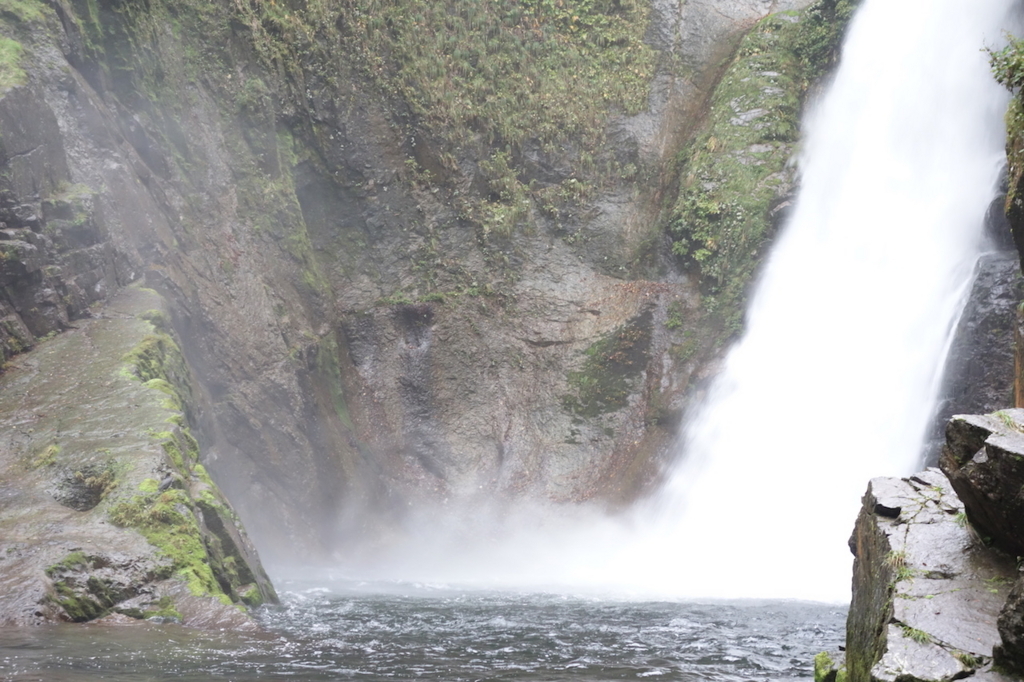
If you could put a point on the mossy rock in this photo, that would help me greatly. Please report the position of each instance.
(610, 372)
(737, 175)
(88, 586)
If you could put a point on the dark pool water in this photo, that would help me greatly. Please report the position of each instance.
(365, 633)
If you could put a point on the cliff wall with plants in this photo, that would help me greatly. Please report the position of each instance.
(411, 250)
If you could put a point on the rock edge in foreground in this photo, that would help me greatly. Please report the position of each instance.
(104, 506)
(937, 594)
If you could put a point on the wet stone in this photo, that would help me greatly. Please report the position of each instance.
(83, 488)
(926, 582)
(910, 659)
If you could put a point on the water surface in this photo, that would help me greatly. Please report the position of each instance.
(364, 632)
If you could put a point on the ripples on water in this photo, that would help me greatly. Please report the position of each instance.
(319, 634)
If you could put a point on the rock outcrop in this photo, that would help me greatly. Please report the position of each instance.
(104, 507)
(926, 590)
(979, 372)
(937, 593)
(984, 459)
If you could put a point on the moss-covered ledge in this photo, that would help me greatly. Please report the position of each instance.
(737, 177)
(105, 508)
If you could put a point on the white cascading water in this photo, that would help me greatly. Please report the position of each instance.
(835, 380)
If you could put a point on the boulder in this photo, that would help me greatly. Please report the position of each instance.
(984, 459)
(927, 591)
(104, 506)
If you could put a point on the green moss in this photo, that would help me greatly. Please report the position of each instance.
(149, 485)
(74, 561)
(78, 607)
(161, 385)
(968, 660)
(919, 636)
(158, 319)
(23, 10)
(81, 602)
(167, 520)
(47, 456)
(734, 175)
(165, 609)
(149, 358)
(610, 371)
(137, 614)
(674, 318)
(157, 362)
(200, 471)
(191, 444)
(252, 596)
(181, 448)
(824, 668)
(11, 73)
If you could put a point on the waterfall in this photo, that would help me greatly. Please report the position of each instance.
(837, 374)
(835, 378)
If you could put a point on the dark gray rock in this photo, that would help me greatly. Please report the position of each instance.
(1010, 653)
(83, 488)
(926, 590)
(31, 147)
(980, 368)
(55, 257)
(984, 459)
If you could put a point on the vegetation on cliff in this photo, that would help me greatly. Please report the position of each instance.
(296, 164)
(738, 174)
(472, 86)
(1008, 69)
(178, 515)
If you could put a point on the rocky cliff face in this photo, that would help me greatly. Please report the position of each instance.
(980, 368)
(410, 251)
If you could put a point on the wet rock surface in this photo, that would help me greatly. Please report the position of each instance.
(927, 591)
(55, 256)
(984, 459)
(84, 443)
(979, 375)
